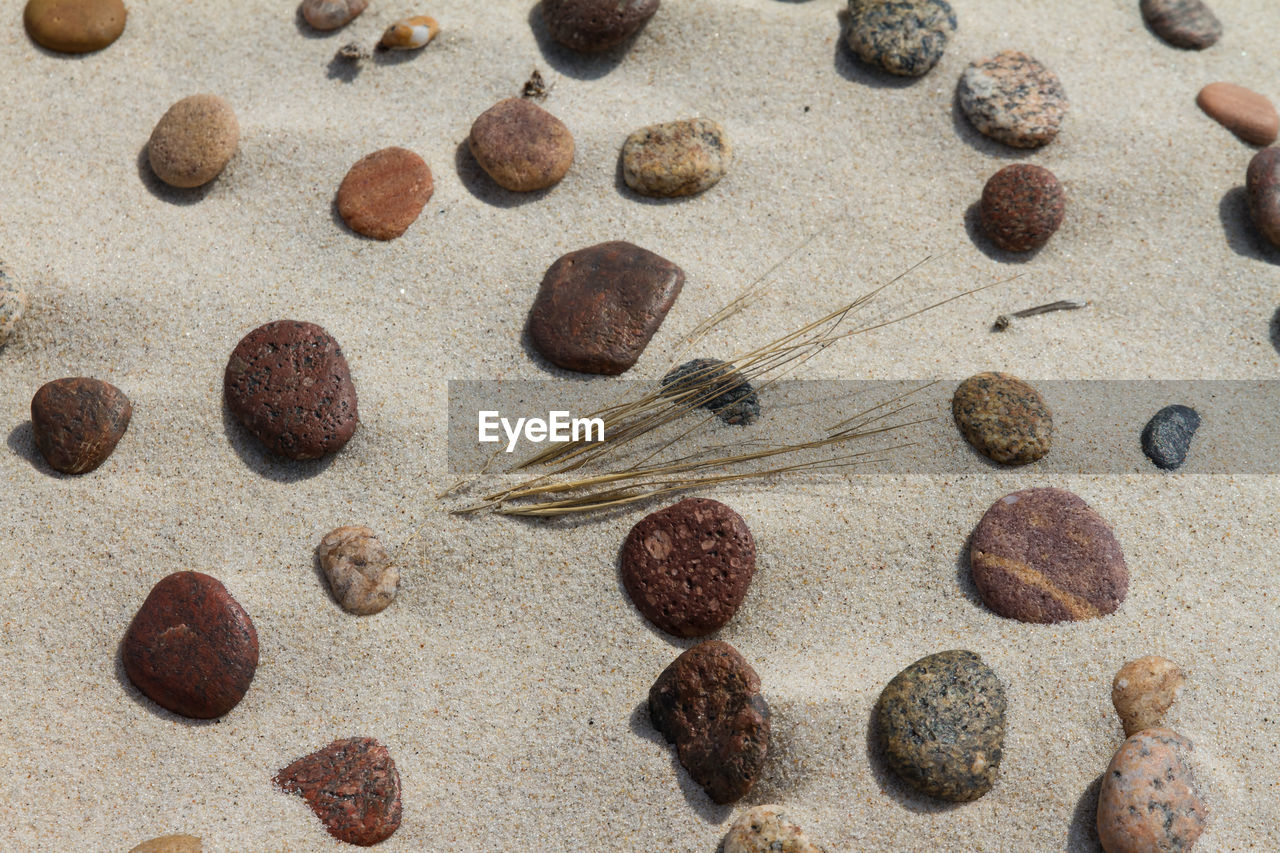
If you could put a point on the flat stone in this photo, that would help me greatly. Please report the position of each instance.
(719, 387)
(13, 306)
(170, 844)
(384, 192)
(1149, 801)
(352, 785)
(1004, 418)
(191, 647)
(521, 146)
(331, 14)
(359, 570)
(1043, 555)
(591, 26)
(1262, 185)
(1013, 99)
(687, 567)
(904, 37)
(598, 307)
(768, 829)
(941, 724)
(74, 26)
(1182, 23)
(77, 422)
(1248, 115)
(1143, 690)
(289, 384)
(1022, 205)
(708, 703)
(1167, 436)
(678, 158)
(193, 141)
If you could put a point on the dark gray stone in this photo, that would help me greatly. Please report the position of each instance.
(726, 392)
(904, 37)
(1167, 436)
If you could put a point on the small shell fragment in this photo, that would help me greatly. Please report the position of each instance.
(409, 33)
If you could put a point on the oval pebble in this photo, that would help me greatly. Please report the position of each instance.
(716, 386)
(1022, 206)
(384, 192)
(331, 14)
(1004, 418)
(1013, 99)
(409, 33)
(170, 844)
(193, 141)
(13, 306)
(678, 158)
(1167, 436)
(77, 422)
(768, 829)
(1149, 801)
(904, 37)
(1182, 23)
(591, 26)
(1248, 115)
(359, 570)
(1262, 185)
(74, 26)
(521, 146)
(1143, 690)
(352, 786)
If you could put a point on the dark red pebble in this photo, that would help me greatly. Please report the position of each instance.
(353, 787)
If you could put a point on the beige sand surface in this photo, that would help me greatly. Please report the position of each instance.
(507, 679)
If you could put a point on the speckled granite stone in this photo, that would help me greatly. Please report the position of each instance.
(352, 785)
(1167, 436)
(1143, 690)
(904, 37)
(1004, 418)
(1182, 23)
(768, 829)
(1149, 802)
(1013, 99)
(676, 158)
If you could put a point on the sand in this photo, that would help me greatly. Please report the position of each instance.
(508, 679)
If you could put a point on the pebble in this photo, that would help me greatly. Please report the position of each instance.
(591, 26)
(78, 421)
(191, 647)
(722, 389)
(768, 829)
(359, 570)
(289, 384)
(170, 844)
(708, 703)
(1043, 555)
(687, 567)
(332, 14)
(13, 305)
(1022, 205)
(1167, 436)
(1182, 23)
(521, 146)
(193, 141)
(1004, 418)
(409, 33)
(1149, 800)
(74, 26)
(1262, 185)
(904, 37)
(941, 724)
(1143, 690)
(678, 158)
(1245, 113)
(384, 192)
(353, 787)
(1013, 99)
(598, 307)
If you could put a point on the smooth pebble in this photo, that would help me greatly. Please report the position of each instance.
(1013, 98)
(592, 26)
(904, 37)
(384, 192)
(1262, 187)
(74, 26)
(1022, 206)
(193, 141)
(1167, 436)
(1149, 801)
(1143, 690)
(170, 844)
(715, 386)
(1248, 115)
(1003, 417)
(359, 570)
(78, 421)
(1182, 23)
(521, 146)
(678, 158)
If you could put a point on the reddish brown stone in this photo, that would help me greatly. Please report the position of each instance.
(1248, 115)
(1262, 184)
(384, 192)
(687, 567)
(708, 703)
(521, 146)
(191, 647)
(1022, 205)
(598, 307)
(353, 787)
(290, 386)
(590, 26)
(77, 422)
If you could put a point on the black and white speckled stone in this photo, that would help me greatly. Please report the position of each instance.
(904, 37)
(1013, 99)
(1182, 23)
(734, 400)
(1167, 436)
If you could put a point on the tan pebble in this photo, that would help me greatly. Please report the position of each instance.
(359, 570)
(384, 192)
(170, 844)
(74, 26)
(1245, 113)
(193, 142)
(1149, 801)
(521, 146)
(1143, 690)
(409, 33)
(331, 14)
(767, 829)
(678, 158)
(13, 305)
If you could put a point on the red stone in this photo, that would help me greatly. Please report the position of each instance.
(353, 787)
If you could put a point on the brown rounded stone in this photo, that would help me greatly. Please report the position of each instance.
(74, 26)
(1182, 23)
(1245, 113)
(591, 26)
(1022, 205)
(191, 647)
(687, 567)
(708, 703)
(1143, 690)
(1004, 418)
(170, 844)
(1013, 98)
(193, 141)
(521, 146)
(289, 384)
(1042, 555)
(677, 158)
(1149, 801)
(1262, 185)
(598, 307)
(77, 422)
(352, 785)
(384, 192)
(331, 14)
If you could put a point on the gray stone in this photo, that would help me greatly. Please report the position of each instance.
(904, 37)
(1167, 436)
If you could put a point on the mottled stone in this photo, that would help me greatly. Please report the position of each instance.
(74, 26)
(598, 307)
(678, 158)
(1004, 418)
(331, 14)
(1262, 185)
(768, 829)
(591, 26)
(687, 567)
(1167, 436)
(409, 33)
(13, 305)
(521, 146)
(289, 384)
(77, 422)
(1043, 555)
(352, 785)
(193, 141)
(191, 647)
(1248, 115)
(1149, 801)
(1022, 205)
(708, 703)
(1182, 23)
(715, 386)
(384, 192)
(170, 844)
(1013, 99)
(1143, 690)
(359, 570)
(904, 37)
